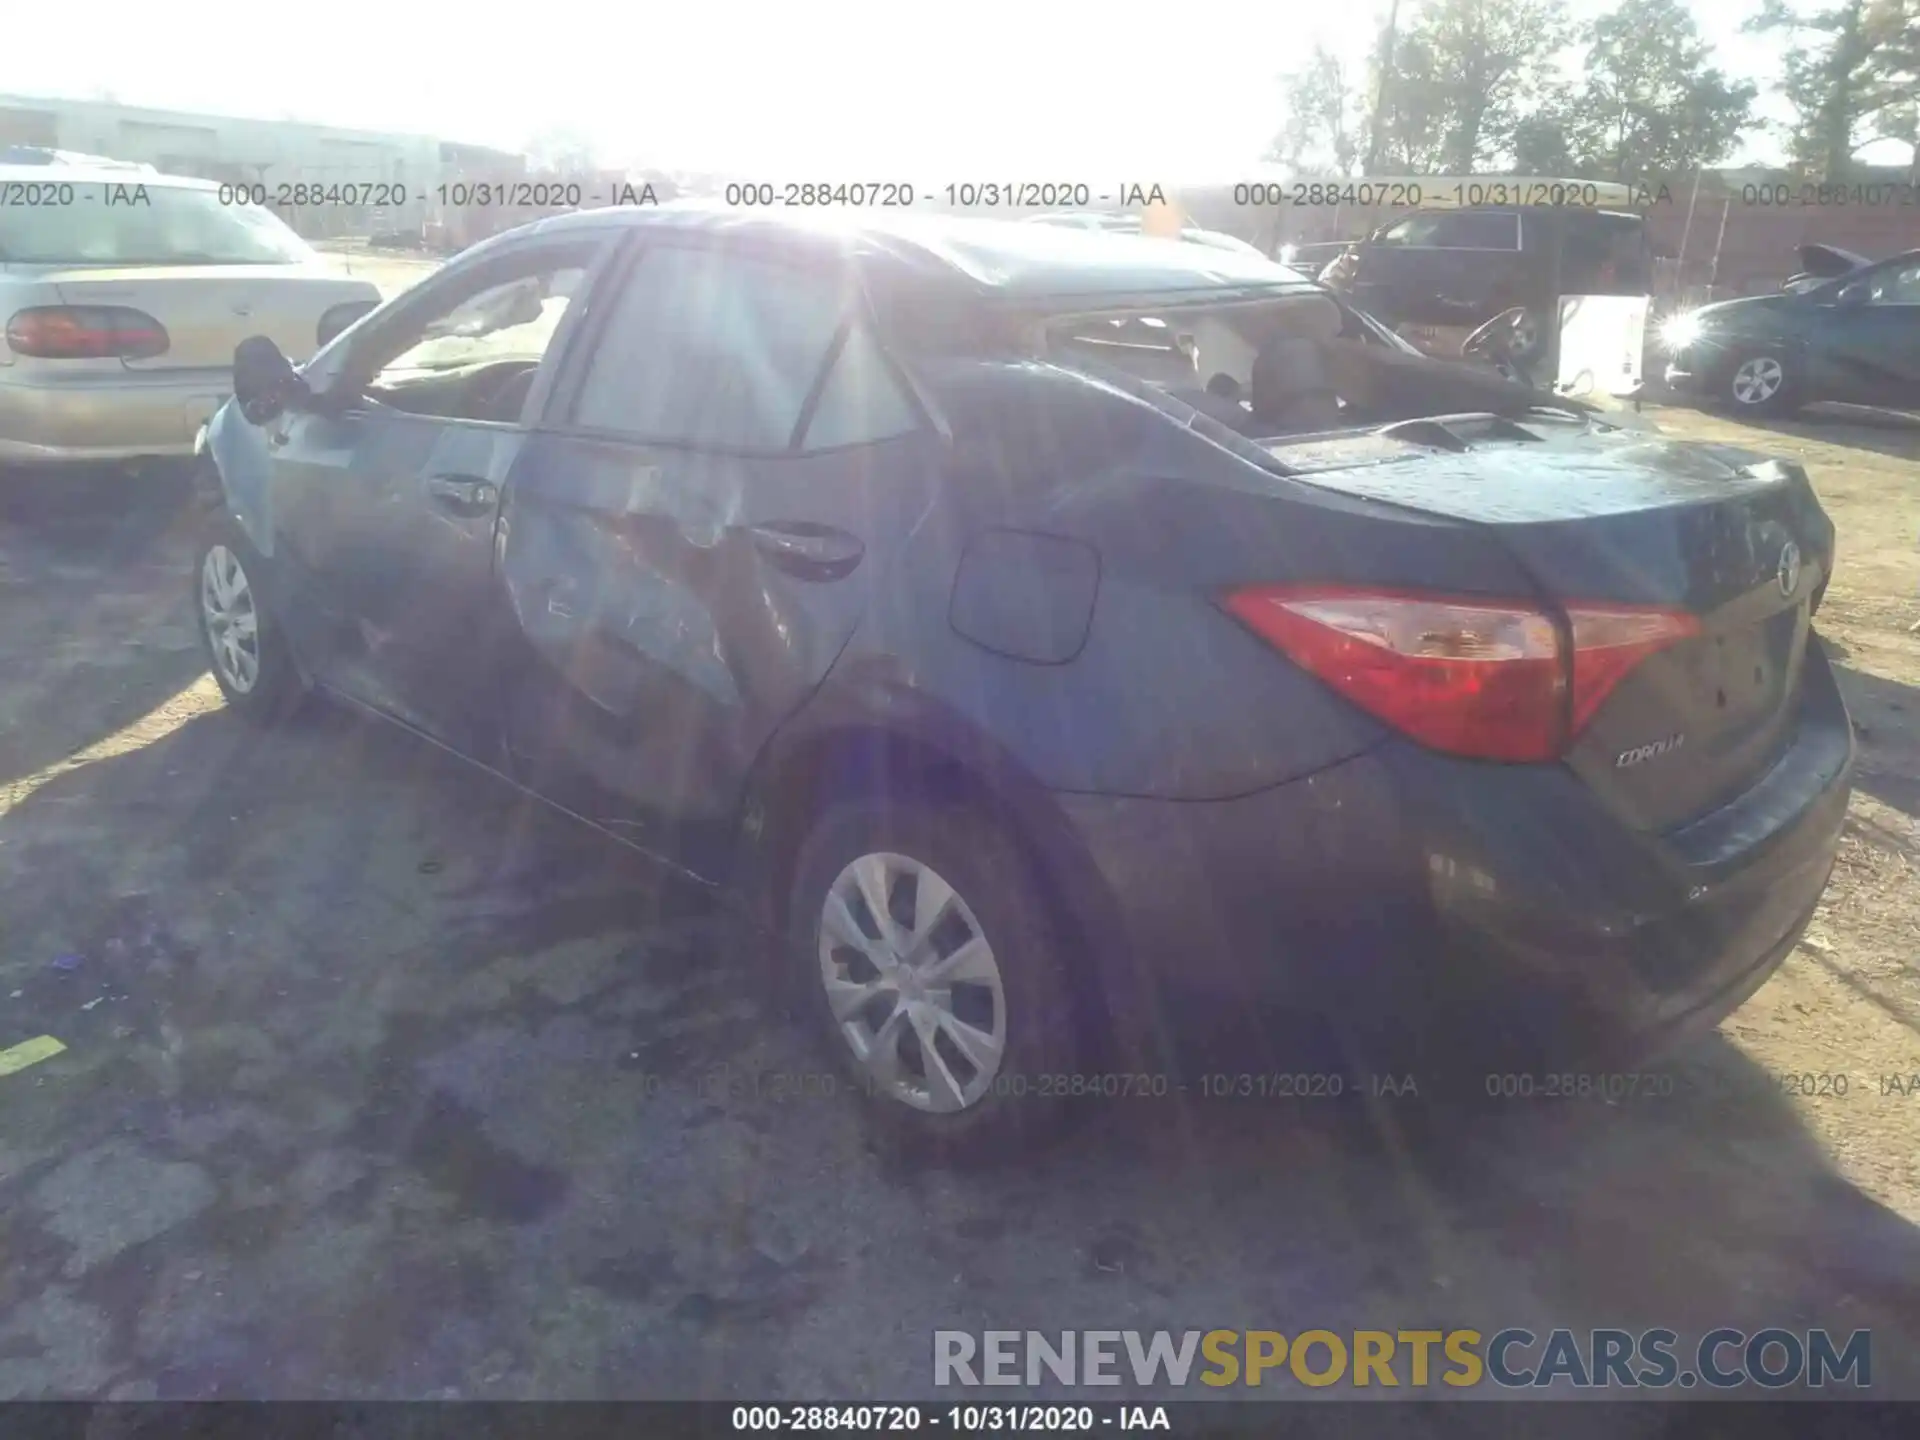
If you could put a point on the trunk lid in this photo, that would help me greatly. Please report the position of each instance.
(209, 309)
(1732, 537)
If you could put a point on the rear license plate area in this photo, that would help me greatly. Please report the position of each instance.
(1743, 675)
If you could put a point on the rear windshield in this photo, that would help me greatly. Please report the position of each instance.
(54, 222)
(1186, 347)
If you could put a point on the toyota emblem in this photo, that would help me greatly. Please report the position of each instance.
(242, 308)
(1789, 572)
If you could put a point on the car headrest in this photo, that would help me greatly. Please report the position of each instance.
(1290, 379)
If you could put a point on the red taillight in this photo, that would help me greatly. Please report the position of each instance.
(1483, 678)
(1609, 640)
(86, 332)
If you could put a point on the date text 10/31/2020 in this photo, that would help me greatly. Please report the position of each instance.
(726, 1082)
(1620, 1088)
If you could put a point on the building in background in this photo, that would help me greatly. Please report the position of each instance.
(404, 171)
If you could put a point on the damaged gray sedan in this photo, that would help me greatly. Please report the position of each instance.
(1026, 625)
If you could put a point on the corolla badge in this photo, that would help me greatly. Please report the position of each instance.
(1789, 572)
(1640, 754)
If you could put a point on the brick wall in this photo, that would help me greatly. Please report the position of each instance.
(1757, 246)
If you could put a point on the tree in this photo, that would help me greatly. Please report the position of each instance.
(1650, 102)
(1411, 107)
(1852, 77)
(1463, 76)
(1541, 141)
(1493, 55)
(1324, 116)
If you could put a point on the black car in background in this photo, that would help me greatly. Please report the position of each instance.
(1852, 337)
(1461, 267)
(1031, 626)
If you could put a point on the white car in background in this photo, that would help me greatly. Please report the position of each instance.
(123, 293)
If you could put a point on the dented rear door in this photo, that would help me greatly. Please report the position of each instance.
(689, 541)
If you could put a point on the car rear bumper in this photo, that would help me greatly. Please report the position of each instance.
(1401, 892)
(95, 417)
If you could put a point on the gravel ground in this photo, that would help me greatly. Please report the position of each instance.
(381, 1082)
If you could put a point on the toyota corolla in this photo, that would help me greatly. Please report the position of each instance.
(1033, 626)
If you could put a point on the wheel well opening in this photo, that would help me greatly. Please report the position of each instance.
(874, 764)
(855, 765)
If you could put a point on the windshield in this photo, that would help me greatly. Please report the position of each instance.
(136, 222)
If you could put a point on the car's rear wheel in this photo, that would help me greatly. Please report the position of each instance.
(245, 648)
(1760, 383)
(935, 976)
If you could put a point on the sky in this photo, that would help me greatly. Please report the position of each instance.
(835, 90)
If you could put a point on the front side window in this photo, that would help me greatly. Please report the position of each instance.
(514, 319)
(1895, 285)
(1454, 230)
(137, 222)
(1413, 231)
(1477, 230)
(714, 348)
(472, 351)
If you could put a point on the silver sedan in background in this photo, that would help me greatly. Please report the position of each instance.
(123, 293)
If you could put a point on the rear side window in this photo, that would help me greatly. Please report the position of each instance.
(710, 347)
(136, 222)
(1605, 254)
(862, 400)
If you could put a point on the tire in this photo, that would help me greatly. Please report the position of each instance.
(1006, 1106)
(261, 682)
(1760, 382)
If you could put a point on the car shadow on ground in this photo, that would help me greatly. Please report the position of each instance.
(1886, 727)
(382, 1080)
(1887, 432)
(95, 567)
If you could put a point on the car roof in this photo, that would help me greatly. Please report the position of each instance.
(1006, 259)
(63, 174)
(1523, 210)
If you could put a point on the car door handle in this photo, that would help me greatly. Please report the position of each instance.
(462, 494)
(807, 550)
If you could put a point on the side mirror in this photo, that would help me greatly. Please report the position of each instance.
(340, 317)
(264, 381)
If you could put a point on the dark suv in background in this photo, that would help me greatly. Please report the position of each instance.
(1462, 267)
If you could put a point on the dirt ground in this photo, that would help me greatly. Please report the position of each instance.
(380, 1082)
